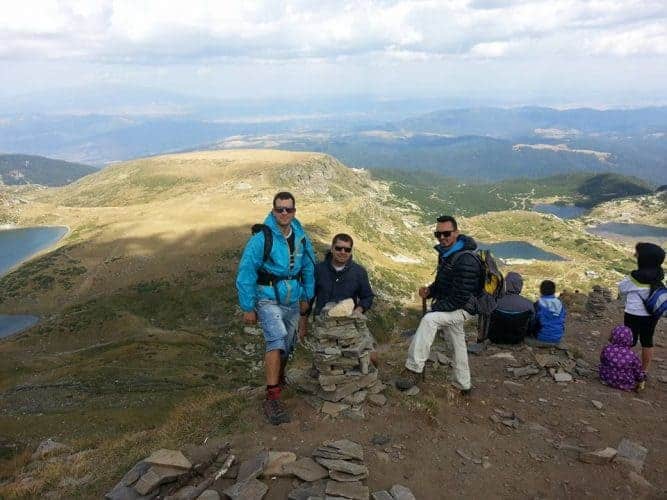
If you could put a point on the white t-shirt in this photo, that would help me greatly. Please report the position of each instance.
(635, 293)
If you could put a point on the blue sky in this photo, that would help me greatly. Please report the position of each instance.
(601, 52)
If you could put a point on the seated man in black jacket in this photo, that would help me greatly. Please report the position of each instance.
(458, 283)
(338, 277)
(513, 315)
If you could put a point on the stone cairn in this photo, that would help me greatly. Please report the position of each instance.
(342, 377)
(598, 300)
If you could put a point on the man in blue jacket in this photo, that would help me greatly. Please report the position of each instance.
(276, 290)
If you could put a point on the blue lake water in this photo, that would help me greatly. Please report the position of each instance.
(631, 230)
(562, 211)
(519, 250)
(17, 245)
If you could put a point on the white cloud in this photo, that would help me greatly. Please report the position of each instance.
(156, 32)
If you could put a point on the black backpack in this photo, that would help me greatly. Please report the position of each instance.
(268, 239)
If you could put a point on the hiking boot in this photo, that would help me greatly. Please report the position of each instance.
(275, 411)
(408, 379)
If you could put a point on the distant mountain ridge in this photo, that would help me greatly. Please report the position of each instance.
(29, 169)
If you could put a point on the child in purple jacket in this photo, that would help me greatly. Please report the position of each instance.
(620, 367)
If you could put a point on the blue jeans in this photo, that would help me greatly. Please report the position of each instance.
(279, 324)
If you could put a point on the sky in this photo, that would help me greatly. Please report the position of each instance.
(566, 52)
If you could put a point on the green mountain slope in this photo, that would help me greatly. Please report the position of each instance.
(29, 169)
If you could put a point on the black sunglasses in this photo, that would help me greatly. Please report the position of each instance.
(282, 210)
(343, 249)
(446, 234)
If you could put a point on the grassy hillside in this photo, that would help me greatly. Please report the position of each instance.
(437, 194)
(28, 169)
(141, 343)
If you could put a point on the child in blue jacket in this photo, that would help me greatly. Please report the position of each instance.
(550, 315)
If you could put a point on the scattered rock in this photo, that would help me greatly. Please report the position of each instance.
(276, 461)
(343, 449)
(400, 492)
(476, 348)
(209, 495)
(380, 439)
(504, 355)
(306, 469)
(377, 399)
(631, 453)
(562, 377)
(342, 466)
(353, 490)
(602, 456)
(412, 391)
(308, 490)
(247, 490)
(333, 409)
(252, 468)
(383, 457)
(381, 495)
(155, 476)
(169, 458)
(597, 404)
(525, 371)
(341, 309)
(344, 478)
(49, 447)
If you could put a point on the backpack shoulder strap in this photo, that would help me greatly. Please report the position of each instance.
(268, 239)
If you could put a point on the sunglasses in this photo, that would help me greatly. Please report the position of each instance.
(343, 249)
(439, 234)
(283, 210)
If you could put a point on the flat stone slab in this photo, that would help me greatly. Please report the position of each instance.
(631, 453)
(333, 409)
(400, 492)
(276, 462)
(308, 491)
(169, 458)
(377, 399)
(155, 476)
(209, 495)
(344, 448)
(525, 371)
(412, 391)
(504, 355)
(602, 456)
(48, 447)
(597, 404)
(353, 490)
(345, 478)
(562, 377)
(247, 490)
(306, 469)
(342, 466)
(381, 495)
(252, 468)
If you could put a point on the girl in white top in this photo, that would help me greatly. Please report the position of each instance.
(635, 288)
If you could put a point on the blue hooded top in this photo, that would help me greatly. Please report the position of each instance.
(300, 282)
(550, 315)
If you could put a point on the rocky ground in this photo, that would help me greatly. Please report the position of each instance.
(520, 434)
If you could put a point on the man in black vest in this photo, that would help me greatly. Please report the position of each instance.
(458, 282)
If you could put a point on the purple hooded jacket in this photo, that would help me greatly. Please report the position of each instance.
(619, 365)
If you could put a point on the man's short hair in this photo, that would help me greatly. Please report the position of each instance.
(448, 218)
(284, 195)
(547, 287)
(342, 237)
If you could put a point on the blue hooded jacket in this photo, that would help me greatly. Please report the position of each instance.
(550, 318)
(290, 290)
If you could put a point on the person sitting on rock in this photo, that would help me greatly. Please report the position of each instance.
(511, 319)
(549, 324)
(620, 367)
(636, 288)
(339, 277)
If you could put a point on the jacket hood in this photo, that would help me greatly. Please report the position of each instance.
(622, 336)
(649, 263)
(552, 304)
(513, 283)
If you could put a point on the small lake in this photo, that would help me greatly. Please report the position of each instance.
(562, 211)
(519, 250)
(16, 246)
(630, 230)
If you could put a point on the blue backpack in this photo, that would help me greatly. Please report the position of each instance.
(656, 303)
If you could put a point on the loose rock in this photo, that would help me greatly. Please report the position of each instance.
(400, 492)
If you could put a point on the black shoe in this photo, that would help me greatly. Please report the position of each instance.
(408, 379)
(275, 412)
(466, 392)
